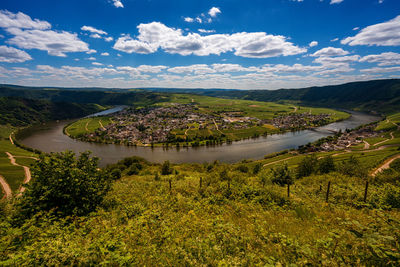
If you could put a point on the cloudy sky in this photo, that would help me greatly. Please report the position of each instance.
(255, 44)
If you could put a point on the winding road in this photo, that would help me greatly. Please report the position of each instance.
(26, 170)
(385, 165)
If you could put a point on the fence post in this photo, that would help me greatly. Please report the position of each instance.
(366, 191)
(327, 191)
(288, 190)
(201, 181)
(170, 185)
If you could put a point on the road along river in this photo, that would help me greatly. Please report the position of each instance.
(50, 138)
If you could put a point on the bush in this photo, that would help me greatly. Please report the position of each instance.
(352, 167)
(307, 166)
(282, 175)
(166, 168)
(65, 185)
(326, 165)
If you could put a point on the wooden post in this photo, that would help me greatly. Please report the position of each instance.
(320, 188)
(366, 192)
(201, 181)
(288, 190)
(327, 191)
(170, 185)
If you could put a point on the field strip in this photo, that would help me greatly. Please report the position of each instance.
(26, 157)
(216, 126)
(366, 145)
(26, 170)
(6, 187)
(385, 165)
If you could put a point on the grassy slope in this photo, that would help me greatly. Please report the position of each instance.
(87, 125)
(13, 174)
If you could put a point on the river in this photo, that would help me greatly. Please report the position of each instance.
(50, 138)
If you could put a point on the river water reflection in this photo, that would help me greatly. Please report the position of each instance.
(50, 138)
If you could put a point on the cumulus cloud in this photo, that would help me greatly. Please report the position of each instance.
(105, 54)
(214, 11)
(384, 59)
(95, 35)
(313, 43)
(108, 39)
(97, 64)
(155, 35)
(13, 55)
(21, 20)
(55, 43)
(381, 34)
(337, 60)
(93, 30)
(118, 3)
(330, 52)
(336, 1)
(36, 34)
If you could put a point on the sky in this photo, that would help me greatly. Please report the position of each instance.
(233, 44)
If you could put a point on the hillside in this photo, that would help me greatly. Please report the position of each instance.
(19, 111)
(379, 95)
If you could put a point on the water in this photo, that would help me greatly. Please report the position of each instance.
(50, 138)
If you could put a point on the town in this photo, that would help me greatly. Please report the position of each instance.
(177, 123)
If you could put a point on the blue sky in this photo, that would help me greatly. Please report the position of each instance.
(257, 44)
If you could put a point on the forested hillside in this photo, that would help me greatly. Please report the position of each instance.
(19, 111)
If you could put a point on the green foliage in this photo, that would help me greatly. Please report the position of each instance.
(326, 165)
(166, 168)
(257, 168)
(307, 166)
(65, 185)
(352, 167)
(282, 175)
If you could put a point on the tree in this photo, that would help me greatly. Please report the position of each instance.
(65, 185)
(326, 165)
(282, 176)
(307, 166)
(353, 167)
(166, 168)
(257, 168)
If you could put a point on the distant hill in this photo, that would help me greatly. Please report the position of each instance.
(377, 95)
(19, 111)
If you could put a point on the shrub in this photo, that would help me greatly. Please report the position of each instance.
(66, 185)
(307, 166)
(282, 175)
(326, 165)
(166, 168)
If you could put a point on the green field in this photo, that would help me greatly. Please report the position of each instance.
(87, 125)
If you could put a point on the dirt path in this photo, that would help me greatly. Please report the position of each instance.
(381, 142)
(86, 128)
(101, 125)
(11, 140)
(385, 165)
(278, 161)
(366, 145)
(216, 126)
(6, 188)
(26, 170)
(295, 109)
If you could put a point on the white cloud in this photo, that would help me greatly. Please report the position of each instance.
(313, 43)
(91, 51)
(150, 69)
(108, 39)
(197, 69)
(95, 35)
(335, 40)
(91, 58)
(206, 31)
(382, 34)
(155, 35)
(93, 30)
(13, 55)
(214, 11)
(330, 52)
(199, 20)
(105, 54)
(36, 34)
(54, 42)
(336, 1)
(97, 64)
(356, 28)
(189, 19)
(21, 20)
(382, 70)
(326, 60)
(118, 3)
(384, 59)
